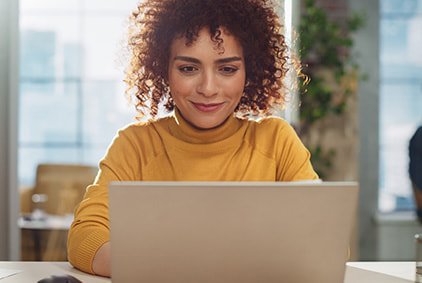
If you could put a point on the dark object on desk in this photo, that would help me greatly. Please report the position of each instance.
(60, 278)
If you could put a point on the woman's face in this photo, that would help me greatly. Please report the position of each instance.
(205, 83)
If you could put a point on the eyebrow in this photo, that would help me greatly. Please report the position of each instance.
(194, 60)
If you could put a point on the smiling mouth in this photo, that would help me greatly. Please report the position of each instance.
(208, 107)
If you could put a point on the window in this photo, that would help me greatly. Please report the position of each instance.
(400, 98)
(71, 98)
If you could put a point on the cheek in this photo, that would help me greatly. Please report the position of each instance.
(179, 84)
(180, 93)
(236, 87)
(178, 87)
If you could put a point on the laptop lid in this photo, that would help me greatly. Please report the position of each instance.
(230, 231)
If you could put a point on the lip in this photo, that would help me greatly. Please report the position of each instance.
(207, 107)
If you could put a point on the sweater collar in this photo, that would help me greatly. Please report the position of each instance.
(183, 130)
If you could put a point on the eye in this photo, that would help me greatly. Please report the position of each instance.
(187, 69)
(228, 70)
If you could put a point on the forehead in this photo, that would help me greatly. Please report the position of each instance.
(225, 44)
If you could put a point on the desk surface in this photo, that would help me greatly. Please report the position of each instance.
(361, 272)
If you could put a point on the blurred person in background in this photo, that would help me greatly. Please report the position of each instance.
(415, 169)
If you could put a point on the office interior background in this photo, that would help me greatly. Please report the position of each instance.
(61, 100)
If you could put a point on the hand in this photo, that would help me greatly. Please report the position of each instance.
(101, 263)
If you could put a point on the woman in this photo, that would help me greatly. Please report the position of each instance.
(210, 61)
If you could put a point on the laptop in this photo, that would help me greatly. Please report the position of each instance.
(295, 232)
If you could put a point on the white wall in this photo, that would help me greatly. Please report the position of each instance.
(395, 236)
(9, 205)
(367, 48)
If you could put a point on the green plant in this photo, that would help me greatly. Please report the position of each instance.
(330, 73)
(325, 45)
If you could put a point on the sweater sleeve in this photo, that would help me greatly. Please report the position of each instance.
(90, 228)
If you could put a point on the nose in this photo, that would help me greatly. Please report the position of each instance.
(207, 86)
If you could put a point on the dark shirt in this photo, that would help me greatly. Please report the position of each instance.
(415, 154)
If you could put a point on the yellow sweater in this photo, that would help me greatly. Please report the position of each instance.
(170, 149)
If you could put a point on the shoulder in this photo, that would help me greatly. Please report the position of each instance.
(139, 134)
(272, 134)
(417, 136)
(276, 122)
(136, 140)
(272, 126)
(144, 127)
(416, 140)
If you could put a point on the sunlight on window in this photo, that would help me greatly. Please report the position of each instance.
(400, 98)
(71, 87)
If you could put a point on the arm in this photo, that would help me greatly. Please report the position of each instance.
(88, 239)
(102, 259)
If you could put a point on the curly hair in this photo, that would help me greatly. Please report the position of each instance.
(155, 24)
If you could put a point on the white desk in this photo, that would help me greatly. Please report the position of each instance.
(356, 272)
(34, 271)
(382, 272)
